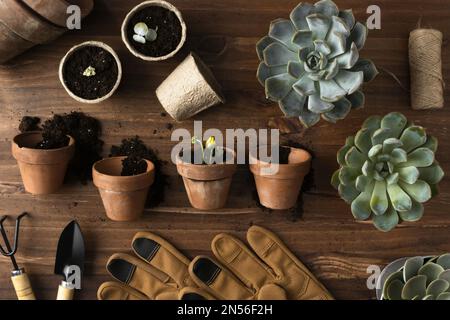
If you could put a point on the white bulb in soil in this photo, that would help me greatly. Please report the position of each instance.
(139, 39)
(141, 29)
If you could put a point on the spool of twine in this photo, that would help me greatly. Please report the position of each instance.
(425, 59)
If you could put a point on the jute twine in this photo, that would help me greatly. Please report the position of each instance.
(425, 60)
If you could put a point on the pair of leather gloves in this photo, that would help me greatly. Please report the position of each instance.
(267, 272)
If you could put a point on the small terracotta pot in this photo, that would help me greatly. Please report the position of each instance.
(55, 11)
(141, 6)
(11, 44)
(280, 191)
(189, 89)
(94, 44)
(207, 186)
(22, 21)
(42, 171)
(123, 196)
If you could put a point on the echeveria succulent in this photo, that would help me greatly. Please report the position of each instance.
(310, 63)
(388, 170)
(420, 279)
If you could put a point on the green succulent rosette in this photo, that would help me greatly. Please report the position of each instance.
(310, 63)
(420, 279)
(388, 170)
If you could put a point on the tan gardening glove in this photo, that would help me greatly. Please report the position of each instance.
(160, 273)
(269, 272)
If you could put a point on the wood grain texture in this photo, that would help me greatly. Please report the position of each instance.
(336, 248)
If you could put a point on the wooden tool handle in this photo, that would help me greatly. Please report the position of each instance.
(22, 286)
(65, 293)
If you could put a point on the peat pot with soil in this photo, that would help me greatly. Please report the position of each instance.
(279, 189)
(154, 30)
(123, 183)
(208, 179)
(90, 72)
(42, 160)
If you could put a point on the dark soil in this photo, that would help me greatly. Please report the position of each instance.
(86, 132)
(29, 124)
(133, 165)
(169, 31)
(90, 87)
(134, 147)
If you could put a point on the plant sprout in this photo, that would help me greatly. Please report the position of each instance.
(89, 72)
(211, 152)
(142, 33)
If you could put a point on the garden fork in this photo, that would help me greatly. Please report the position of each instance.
(19, 278)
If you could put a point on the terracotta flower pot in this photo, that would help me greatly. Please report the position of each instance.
(280, 191)
(94, 44)
(207, 186)
(42, 171)
(123, 196)
(11, 44)
(22, 21)
(153, 3)
(189, 89)
(55, 11)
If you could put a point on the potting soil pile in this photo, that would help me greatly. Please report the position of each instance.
(136, 150)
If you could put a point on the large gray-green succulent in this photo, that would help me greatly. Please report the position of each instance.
(420, 279)
(388, 170)
(310, 63)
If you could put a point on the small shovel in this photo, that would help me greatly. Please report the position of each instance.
(69, 261)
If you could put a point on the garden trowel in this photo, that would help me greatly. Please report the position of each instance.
(69, 261)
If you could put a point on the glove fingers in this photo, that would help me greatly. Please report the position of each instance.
(300, 283)
(191, 293)
(163, 256)
(117, 291)
(139, 275)
(236, 256)
(217, 280)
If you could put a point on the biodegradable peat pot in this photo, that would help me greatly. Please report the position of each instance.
(71, 85)
(207, 186)
(189, 89)
(123, 196)
(280, 191)
(22, 21)
(42, 170)
(137, 14)
(55, 11)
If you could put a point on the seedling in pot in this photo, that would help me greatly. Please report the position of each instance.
(142, 33)
(211, 152)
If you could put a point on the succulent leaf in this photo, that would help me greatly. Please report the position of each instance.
(292, 104)
(358, 35)
(436, 287)
(413, 137)
(308, 118)
(412, 267)
(445, 275)
(299, 14)
(396, 122)
(394, 290)
(432, 174)
(335, 179)
(367, 67)
(409, 174)
(339, 112)
(326, 7)
(316, 105)
(399, 198)
(295, 69)
(420, 191)
(265, 72)
(348, 59)
(387, 221)
(431, 271)
(330, 91)
(303, 39)
(444, 261)
(262, 44)
(361, 205)
(348, 17)
(444, 296)
(432, 144)
(357, 99)
(319, 24)
(397, 275)
(276, 54)
(282, 30)
(379, 202)
(421, 157)
(415, 287)
(413, 215)
(349, 81)
(276, 87)
(348, 193)
(381, 135)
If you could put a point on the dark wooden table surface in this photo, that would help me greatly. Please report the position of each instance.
(336, 248)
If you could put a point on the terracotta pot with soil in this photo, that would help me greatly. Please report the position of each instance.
(207, 185)
(42, 164)
(189, 89)
(123, 184)
(280, 191)
(90, 72)
(154, 30)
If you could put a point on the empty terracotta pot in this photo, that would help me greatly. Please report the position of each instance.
(11, 44)
(55, 11)
(27, 25)
(42, 171)
(207, 186)
(123, 196)
(189, 89)
(280, 191)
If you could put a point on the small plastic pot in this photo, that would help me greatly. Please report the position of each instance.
(123, 197)
(280, 191)
(153, 3)
(189, 89)
(88, 44)
(55, 11)
(207, 186)
(42, 171)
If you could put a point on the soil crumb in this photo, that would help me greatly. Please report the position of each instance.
(133, 165)
(29, 124)
(135, 147)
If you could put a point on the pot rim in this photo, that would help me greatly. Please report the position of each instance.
(283, 165)
(92, 44)
(71, 142)
(122, 183)
(150, 3)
